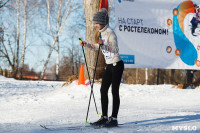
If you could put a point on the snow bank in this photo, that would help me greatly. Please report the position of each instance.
(24, 105)
(2, 78)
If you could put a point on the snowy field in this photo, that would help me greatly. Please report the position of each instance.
(24, 105)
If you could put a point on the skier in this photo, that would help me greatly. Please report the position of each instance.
(194, 20)
(114, 67)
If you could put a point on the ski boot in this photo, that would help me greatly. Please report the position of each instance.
(100, 122)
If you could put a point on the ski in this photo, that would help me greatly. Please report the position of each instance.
(59, 128)
(99, 127)
(78, 127)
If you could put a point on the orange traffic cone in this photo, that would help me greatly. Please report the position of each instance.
(81, 79)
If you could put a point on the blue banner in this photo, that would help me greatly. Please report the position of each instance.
(128, 59)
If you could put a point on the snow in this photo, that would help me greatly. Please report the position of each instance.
(24, 105)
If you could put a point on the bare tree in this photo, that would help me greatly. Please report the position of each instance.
(71, 58)
(4, 50)
(9, 53)
(67, 7)
(75, 60)
(13, 31)
(29, 11)
(24, 42)
(18, 6)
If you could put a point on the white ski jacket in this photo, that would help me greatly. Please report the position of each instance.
(110, 48)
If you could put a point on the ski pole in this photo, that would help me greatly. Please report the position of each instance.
(86, 122)
(91, 84)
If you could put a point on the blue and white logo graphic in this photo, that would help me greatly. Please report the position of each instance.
(126, 1)
(128, 59)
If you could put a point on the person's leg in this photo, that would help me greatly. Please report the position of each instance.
(106, 82)
(107, 78)
(116, 80)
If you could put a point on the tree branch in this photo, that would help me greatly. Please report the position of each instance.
(4, 4)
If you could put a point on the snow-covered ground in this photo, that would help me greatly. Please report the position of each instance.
(24, 105)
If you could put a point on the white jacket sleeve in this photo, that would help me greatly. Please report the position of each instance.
(93, 46)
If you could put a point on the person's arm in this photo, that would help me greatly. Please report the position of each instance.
(88, 45)
(92, 46)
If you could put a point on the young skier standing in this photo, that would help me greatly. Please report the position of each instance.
(114, 68)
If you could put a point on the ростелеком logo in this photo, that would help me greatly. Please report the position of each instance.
(126, 0)
(185, 48)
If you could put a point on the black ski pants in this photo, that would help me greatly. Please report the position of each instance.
(112, 75)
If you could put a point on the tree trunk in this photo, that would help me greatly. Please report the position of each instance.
(58, 43)
(146, 76)
(91, 7)
(17, 56)
(172, 76)
(158, 76)
(24, 42)
(57, 60)
(136, 76)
